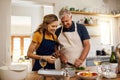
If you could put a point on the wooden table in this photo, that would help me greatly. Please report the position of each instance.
(35, 76)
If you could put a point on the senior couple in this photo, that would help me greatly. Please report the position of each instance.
(69, 42)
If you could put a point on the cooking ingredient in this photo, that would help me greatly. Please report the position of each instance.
(88, 74)
(80, 68)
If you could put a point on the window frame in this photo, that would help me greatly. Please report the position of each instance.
(21, 43)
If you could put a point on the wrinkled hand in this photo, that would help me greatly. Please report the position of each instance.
(78, 62)
(50, 59)
(63, 59)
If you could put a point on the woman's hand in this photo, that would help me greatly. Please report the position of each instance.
(49, 59)
(56, 54)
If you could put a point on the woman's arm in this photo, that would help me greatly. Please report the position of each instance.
(31, 54)
(31, 50)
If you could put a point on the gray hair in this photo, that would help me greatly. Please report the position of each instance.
(64, 12)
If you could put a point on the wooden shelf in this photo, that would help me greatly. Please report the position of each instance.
(91, 25)
(94, 35)
(94, 14)
(117, 15)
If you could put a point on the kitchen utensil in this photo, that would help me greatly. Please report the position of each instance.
(52, 72)
(70, 64)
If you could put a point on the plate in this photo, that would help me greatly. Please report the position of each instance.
(87, 75)
(17, 67)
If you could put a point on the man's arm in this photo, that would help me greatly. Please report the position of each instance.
(86, 48)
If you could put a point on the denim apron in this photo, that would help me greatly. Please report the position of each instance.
(46, 48)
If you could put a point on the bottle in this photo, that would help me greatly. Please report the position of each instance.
(113, 61)
(113, 58)
(86, 21)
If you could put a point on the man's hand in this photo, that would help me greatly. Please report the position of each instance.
(78, 62)
(63, 59)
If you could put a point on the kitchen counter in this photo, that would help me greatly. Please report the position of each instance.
(90, 60)
(35, 76)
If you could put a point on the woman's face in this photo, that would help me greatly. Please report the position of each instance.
(52, 27)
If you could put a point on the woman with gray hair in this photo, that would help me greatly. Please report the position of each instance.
(73, 39)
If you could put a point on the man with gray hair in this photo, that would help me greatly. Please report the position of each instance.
(73, 39)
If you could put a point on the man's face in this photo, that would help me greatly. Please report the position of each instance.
(67, 21)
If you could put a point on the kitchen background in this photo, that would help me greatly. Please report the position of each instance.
(19, 19)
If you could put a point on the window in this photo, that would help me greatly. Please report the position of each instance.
(105, 26)
(23, 25)
(20, 45)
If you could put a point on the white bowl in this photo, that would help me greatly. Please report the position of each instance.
(13, 72)
(109, 75)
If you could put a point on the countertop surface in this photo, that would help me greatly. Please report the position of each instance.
(35, 76)
(106, 56)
